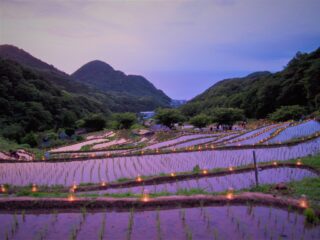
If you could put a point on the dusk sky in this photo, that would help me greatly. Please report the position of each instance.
(182, 47)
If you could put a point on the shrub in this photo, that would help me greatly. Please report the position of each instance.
(196, 169)
(285, 113)
(124, 120)
(95, 122)
(227, 116)
(69, 131)
(30, 139)
(200, 121)
(168, 117)
(310, 216)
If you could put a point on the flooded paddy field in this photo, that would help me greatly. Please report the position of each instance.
(209, 222)
(111, 169)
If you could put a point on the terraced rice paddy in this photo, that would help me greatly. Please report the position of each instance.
(176, 141)
(299, 131)
(236, 181)
(210, 222)
(111, 169)
(168, 221)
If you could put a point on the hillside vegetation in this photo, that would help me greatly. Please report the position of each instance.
(102, 76)
(261, 93)
(30, 103)
(121, 99)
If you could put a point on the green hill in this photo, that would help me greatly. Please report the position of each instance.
(145, 97)
(102, 76)
(260, 93)
(31, 103)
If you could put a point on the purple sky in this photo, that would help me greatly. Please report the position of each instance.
(183, 47)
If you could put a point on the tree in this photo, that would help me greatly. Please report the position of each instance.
(284, 113)
(14, 132)
(95, 122)
(200, 121)
(168, 117)
(30, 139)
(70, 132)
(191, 109)
(124, 120)
(227, 116)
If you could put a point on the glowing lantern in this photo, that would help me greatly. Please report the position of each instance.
(275, 163)
(230, 194)
(71, 197)
(303, 201)
(230, 169)
(139, 179)
(145, 196)
(204, 171)
(103, 184)
(299, 163)
(3, 188)
(34, 188)
(172, 174)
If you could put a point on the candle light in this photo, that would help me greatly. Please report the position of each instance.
(71, 197)
(103, 184)
(230, 194)
(172, 174)
(275, 163)
(299, 163)
(34, 188)
(204, 171)
(145, 196)
(3, 188)
(303, 201)
(139, 179)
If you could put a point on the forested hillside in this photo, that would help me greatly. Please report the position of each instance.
(112, 99)
(261, 93)
(31, 103)
(102, 76)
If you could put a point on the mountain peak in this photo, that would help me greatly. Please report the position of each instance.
(98, 64)
(102, 76)
(24, 58)
(258, 74)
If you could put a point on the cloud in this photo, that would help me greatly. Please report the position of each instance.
(164, 36)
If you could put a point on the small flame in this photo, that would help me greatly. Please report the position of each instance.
(139, 179)
(230, 194)
(145, 196)
(34, 188)
(71, 197)
(103, 184)
(303, 201)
